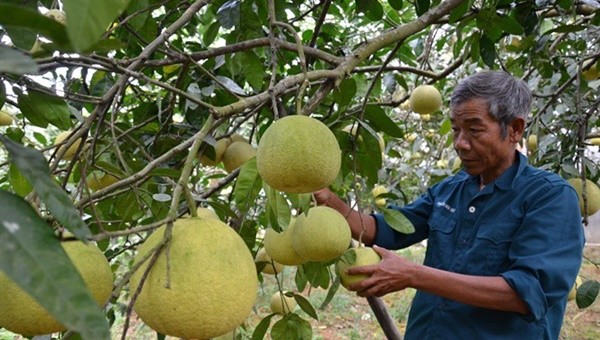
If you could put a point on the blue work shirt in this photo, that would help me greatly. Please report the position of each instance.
(525, 226)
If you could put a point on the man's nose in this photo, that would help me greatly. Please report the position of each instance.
(460, 142)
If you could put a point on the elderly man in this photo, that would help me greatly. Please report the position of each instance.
(505, 239)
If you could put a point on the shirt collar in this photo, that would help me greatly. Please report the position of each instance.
(507, 179)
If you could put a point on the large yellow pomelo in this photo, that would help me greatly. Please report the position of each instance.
(425, 99)
(96, 181)
(70, 152)
(298, 154)
(268, 265)
(20, 313)
(237, 154)
(322, 234)
(213, 282)
(220, 147)
(592, 193)
(279, 246)
(5, 118)
(355, 257)
(282, 304)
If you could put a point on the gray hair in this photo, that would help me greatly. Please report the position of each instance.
(507, 97)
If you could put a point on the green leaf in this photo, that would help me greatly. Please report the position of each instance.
(445, 127)
(248, 184)
(87, 20)
(254, 70)
(381, 122)
(395, 4)
(488, 51)
(291, 326)
(300, 202)
(460, 10)
(16, 62)
(317, 273)
(510, 25)
(398, 221)
(33, 258)
(18, 182)
(566, 29)
(335, 286)
(278, 209)
(41, 109)
(211, 33)
(262, 327)
(587, 293)
(34, 168)
(422, 6)
(344, 93)
(306, 306)
(31, 21)
(139, 7)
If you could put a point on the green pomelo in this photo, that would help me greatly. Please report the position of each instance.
(20, 313)
(213, 282)
(355, 257)
(323, 234)
(298, 154)
(592, 193)
(279, 246)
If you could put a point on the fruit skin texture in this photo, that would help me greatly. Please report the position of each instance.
(206, 213)
(5, 119)
(298, 154)
(425, 99)
(323, 234)
(282, 304)
(20, 313)
(355, 257)
(237, 154)
(97, 182)
(592, 192)
(212, 276)
(220, 147)
(271, 268)
(279, 246)
(61, 137)
(532, 143)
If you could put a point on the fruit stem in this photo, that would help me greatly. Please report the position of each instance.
(182, 182)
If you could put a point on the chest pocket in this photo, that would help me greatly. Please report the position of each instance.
(492, 243)
(440, 244)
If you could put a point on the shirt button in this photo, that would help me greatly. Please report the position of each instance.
(471, 209)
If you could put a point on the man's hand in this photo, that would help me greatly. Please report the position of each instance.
(392, 274)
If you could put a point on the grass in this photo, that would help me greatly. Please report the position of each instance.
(350, 317)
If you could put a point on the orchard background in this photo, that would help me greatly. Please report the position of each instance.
(147, 86)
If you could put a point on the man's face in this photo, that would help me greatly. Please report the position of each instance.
(479, 143)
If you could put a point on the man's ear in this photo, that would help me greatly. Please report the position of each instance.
(516, 130)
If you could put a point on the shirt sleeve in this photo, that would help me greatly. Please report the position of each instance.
(546, 252)
(417, 213)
